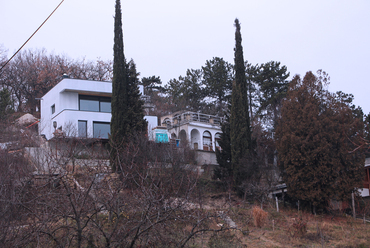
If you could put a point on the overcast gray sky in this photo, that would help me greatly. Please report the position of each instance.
(166, 37)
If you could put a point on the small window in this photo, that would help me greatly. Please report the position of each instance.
(53, 109)
(101, 130)
(82, 129)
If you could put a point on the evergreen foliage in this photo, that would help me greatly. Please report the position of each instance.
(187, 92)
(5, 104)
(217, 79)
(240, 132)
(366, 142)
(127, 113)
(251, 72)
(152, 84)
(273, 86)
(316, 139)
(224, 155)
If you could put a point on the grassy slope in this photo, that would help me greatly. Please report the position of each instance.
(279, 229)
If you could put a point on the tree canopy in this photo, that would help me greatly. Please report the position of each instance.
(316, 139)
(186, 92)
(217, 79)
(273, 85)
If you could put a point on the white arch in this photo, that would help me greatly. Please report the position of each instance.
(207, 141)
(195, 139)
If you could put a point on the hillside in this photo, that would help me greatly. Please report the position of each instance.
(289, 228)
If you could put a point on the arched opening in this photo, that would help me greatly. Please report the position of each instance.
(166, 122)
(207, 141)
(217, 141)
(182, 137)
(195, 139)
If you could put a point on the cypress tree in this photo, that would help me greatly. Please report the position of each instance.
(127, 113)
(240, 132)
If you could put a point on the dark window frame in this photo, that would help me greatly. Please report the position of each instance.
(79, 134)
(53, 108)
(98, 99)
(207, 141)
(100, 122)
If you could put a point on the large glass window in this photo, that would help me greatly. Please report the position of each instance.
(82, 129)
(95, 103)
(101, 130)
(105, 107)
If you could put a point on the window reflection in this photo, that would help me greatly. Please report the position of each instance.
(95, 103)
(101, 130)
(82, 129)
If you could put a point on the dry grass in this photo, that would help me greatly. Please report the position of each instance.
(305, 230)
(290, 228)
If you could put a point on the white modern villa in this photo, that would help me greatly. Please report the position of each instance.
(79, 108)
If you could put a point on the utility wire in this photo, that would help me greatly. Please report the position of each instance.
(1, 70)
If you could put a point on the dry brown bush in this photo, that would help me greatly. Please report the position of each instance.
(259, 216)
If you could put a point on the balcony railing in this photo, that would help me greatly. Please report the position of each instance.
(187, 117)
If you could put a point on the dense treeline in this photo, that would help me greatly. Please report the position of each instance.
(269, 100)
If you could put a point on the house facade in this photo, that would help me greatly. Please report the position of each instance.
(199, 131)
(79, 108)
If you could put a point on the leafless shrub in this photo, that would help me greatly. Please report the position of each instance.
(259, 216)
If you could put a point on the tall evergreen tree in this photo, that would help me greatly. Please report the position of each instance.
(316, 142)
(127, 113)
(240, 132)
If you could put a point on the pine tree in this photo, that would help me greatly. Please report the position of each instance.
(240, 132)
(127, 113)
(273, 86)
(217, 79)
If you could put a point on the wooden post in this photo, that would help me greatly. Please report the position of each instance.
(277, 204)
(353, 206)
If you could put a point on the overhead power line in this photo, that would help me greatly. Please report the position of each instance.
(30, 37)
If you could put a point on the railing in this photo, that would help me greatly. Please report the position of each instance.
(187, 117)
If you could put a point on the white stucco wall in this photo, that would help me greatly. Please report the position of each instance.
(201, 128)
(65, 98)
(364, 192)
